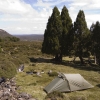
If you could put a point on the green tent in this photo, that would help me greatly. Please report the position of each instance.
(67, 83)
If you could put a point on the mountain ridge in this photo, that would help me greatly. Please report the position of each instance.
(30, 37)
(4, 34)
(22, 37)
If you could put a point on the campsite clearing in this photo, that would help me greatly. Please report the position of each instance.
(34, 85)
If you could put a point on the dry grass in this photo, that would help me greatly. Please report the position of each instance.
(34, 84)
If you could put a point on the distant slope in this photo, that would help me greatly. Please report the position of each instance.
(3, 34)
(31, 37)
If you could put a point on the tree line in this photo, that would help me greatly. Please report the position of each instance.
(9, 39)
(64, 38)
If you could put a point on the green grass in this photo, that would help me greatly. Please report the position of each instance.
(14, 54)
(34, 84)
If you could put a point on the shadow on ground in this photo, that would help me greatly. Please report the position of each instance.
(98, 85)
(40, 60)
(87, 66)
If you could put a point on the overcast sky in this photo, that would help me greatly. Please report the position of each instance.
(31, 16)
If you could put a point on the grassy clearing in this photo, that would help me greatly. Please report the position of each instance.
(34, 84)
(14, 54)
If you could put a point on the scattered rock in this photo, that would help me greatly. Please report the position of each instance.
(8, 91)
(39, 74)
(50, 71)
(2, 79)
(21, 68)
(42, 72)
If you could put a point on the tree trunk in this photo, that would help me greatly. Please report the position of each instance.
(89, 60)
(74, 58)
(99, 61)
(58, 57)
(95, 58)
(81, 59)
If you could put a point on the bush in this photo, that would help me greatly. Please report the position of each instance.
(13, 53)
(78, 98)
(52, 74)
(7, 69)
(12, 39)
(55, 96)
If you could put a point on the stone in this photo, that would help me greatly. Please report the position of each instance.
(8, 92)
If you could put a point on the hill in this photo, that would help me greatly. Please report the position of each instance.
(3, 34)
(31, 37)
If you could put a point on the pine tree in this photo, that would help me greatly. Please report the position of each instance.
(52, 35)
(67, 32)
(81, 33)
(95, 29)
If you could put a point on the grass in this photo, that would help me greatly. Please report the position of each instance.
(34, 84)
(14, 54)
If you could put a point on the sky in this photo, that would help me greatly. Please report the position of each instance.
(31, 16)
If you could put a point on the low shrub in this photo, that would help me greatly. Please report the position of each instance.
(77, 98)
(55, 96)
(7, 69)
(53, 74)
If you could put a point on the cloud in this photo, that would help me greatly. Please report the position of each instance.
(23, 17)
(12, 7)
(19, 17)
(91, 9)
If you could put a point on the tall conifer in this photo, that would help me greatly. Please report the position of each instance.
(52, 35)
(95, 29)
(81, 33)
(67, 31)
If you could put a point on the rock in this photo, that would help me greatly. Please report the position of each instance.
(2, 79)
(8, 91)
(32, 99)
(39, 74)
(21, 99)
(1, 94)
(50, 71)
(25, 95)
(42, 72)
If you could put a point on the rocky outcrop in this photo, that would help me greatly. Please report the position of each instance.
(8, 91)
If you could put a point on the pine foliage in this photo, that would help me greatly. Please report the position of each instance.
(52, 35)
(67, 34)
(95, 29)
(81, 33)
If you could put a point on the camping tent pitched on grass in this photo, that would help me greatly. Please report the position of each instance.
(67, 83)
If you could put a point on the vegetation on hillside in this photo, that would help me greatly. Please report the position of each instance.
(13, 54)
